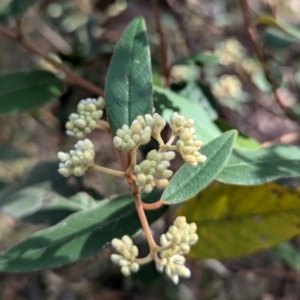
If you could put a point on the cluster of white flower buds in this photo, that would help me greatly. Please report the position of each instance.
(89, 112)
(127, 257)
(78, 160)
(139, 133)
(155, 164)
(128, 138)
(176, 242)
(180, 236)
(187, 146)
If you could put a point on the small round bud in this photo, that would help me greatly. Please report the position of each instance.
(167, 173)
(136, 127)
(64, 172)
(142, 178)
(78, 171)
(162, 183)
(117, 141)
(134, 251)
(185, 248)
(134, 267)
(127, 241)
(63, 156)
(148, 188)
(115, 258)
(125, 271)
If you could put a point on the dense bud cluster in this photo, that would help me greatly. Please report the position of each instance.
(139, 133)
(230, 51)
(78, 160)
(180, 236)
(229, 86)
(187, 146)
(156, 164)
(89, 111)
(130, 138)
(170, 259)
(128, 253)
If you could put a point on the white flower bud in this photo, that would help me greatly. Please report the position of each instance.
(134, 251)
(142, 178)
(124, 262)
(148, 188)
(134, 267)
(78, 171)
(167, 173)
(63, 156)
(64, 172)
(117, 141)
(116, 258)
(117, 244)
(125, 271)
(185, 248)
(162, 183)
(127, 241)
(178, 259)
(184, 271)
(136, 127)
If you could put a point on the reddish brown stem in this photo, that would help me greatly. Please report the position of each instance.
(163, 44)
(71, 76)
(260, 52)
(142, 216)
(153, 206)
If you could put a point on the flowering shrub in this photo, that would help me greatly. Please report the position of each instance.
(168, 128)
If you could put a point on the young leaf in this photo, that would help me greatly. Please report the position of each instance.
(22, 91)
(128, 91)
(82, 234)
(275, 39)
(166, 102)
(290, 254)
(234, 221)
(252, 167)
(189, 181)
(38, 205)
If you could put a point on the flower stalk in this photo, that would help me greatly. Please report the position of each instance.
(151, 172)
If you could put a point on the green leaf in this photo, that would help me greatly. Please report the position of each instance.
(288, 253)
(82, 234)
(200, 58)
(252, 167)
(241, 141)
(128, 91)
(22, 91)
(260, 80)
(275, 39)
(38, 205)
(246, 143)
(284, 27)
(188, 181)
(205, 59)
(234, 221)
(166, 102)
(18, 8)
(194, 92)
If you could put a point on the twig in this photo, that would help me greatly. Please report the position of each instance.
(261, 55)
(71, 76)
(142, 216)
(153, 206)
(182, 26)
(163, 45)
(48, 33)
(276, 273)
